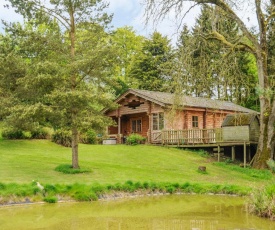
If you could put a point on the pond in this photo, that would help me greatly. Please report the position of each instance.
(190, 212)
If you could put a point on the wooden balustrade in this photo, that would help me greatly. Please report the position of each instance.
(187, 137)
(182, 137)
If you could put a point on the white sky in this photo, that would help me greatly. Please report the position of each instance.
(131, 13)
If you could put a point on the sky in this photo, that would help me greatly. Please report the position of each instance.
(126, 13)
(131, 13)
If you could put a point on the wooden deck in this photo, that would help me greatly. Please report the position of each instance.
(199, 138)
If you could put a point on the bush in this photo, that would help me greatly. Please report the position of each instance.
(262, 202)
(135, 139)
(89, 137)
(62, 137)
(40, 133)
(12, 134)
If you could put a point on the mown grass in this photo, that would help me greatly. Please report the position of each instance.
(144, 168)
(24, 161)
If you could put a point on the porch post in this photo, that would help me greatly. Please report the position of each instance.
(119, 130)
(244, 155)
(233, 152)
(149, 113)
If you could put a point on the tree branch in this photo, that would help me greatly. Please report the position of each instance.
(52, 13)
(240, 46)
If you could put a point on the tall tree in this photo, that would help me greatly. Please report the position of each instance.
(149, 66)
(78, 64)
(213, 71)
(256, 45)
(127, 44)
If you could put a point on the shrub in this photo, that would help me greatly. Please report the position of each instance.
(40, 133)
(89, 137)
(62, 137)
(10, 133)
(68, 169)
(262, 202)
(135, 139)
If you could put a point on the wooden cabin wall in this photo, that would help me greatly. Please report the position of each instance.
(173, 120)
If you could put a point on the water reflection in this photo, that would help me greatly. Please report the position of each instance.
(184, 212)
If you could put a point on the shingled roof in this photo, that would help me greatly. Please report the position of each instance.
(166, 99)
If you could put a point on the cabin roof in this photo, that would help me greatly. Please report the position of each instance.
(239, 119)
(166, 99)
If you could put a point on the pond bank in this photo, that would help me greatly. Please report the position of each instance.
(26, 193)
(261, 202)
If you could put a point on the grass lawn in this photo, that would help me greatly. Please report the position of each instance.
(23, 161)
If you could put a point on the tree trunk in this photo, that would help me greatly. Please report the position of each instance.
(75, 148)
(75, 135)
(266, 141)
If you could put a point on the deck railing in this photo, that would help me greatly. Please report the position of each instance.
(187, 137)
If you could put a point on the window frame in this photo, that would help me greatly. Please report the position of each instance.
(157, 121)
(138, 126)
(195, 121)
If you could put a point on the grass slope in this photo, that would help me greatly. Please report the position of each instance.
(24, 161)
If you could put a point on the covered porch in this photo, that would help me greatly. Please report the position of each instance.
(131, 123)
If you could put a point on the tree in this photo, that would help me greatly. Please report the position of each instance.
(127, 44)
(149, 66)
(76, 68)
(249, 42)
(213, 72)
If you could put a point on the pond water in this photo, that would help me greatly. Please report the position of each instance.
(177, 212)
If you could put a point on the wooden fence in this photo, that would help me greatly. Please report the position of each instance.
(187, 137)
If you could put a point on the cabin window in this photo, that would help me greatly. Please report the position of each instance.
(158, 121)
(136, 126)
(195, 121)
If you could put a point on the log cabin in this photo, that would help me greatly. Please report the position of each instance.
(150, 113)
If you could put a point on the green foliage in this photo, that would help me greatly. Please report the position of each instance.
(203, 153)
(209, 69)
(262, 202)
(12, 133)
(82, 196)
(150, 66)
(40, 133)
(84, 192)
(127, 44)
(271, 165)
(68, 169)
(89, 137)
(52, 83)
(134, 139)
(51, 199)
(62, 137)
